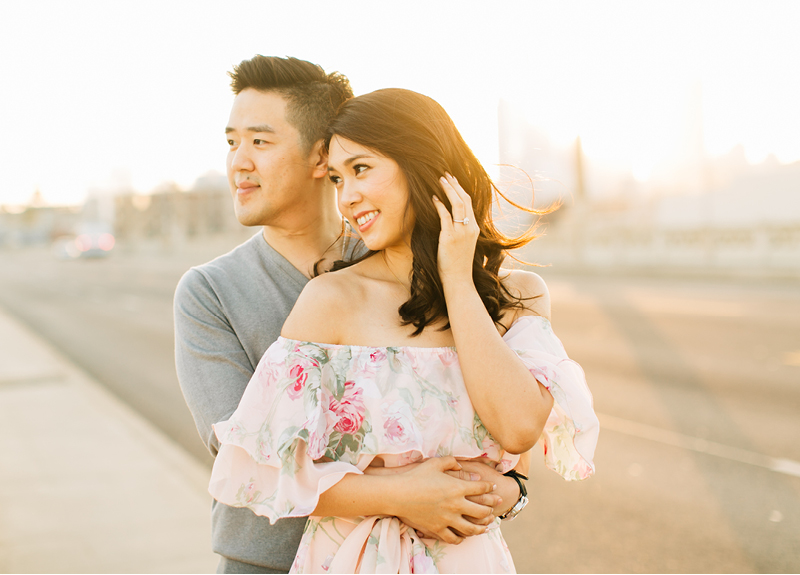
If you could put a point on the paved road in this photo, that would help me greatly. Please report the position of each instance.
(697, 383)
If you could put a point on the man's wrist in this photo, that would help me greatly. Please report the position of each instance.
(522, 501)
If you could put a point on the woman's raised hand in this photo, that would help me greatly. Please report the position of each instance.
(459, 233)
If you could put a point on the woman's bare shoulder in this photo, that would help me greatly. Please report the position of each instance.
(531, 288)
(321, 307)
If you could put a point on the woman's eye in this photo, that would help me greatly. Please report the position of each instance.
(359, 168)
(334, 179)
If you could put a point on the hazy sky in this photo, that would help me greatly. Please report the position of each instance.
(96, 92)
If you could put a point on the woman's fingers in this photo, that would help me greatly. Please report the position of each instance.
(444, 215)
(456, 201)
(464, 201)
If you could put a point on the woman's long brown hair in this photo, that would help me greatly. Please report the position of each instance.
(416, 132)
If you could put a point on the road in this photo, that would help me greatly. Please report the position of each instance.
(697, 383)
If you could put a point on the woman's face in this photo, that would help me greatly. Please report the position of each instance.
(373, 194)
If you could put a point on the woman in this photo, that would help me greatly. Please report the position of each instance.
(422, 348)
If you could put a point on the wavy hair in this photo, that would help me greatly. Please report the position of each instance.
(417, 133)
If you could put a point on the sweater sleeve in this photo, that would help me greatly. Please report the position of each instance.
(207, 353)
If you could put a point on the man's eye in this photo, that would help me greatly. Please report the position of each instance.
(231, 143)
(258, 142)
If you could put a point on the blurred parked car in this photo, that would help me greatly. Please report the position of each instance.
(90, 243)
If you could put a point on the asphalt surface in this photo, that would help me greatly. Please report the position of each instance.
(697, 383)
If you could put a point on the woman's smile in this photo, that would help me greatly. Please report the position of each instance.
(365, 221)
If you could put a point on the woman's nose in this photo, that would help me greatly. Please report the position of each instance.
(348, 195)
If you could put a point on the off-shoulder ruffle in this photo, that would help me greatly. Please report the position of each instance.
(571, 432)
(315, 412)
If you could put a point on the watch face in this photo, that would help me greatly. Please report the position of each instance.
(514, 511)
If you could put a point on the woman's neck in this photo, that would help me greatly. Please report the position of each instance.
(399, 262)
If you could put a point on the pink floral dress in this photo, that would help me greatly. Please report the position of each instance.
(313, 412)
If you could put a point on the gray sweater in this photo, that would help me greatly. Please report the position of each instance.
(227, 313)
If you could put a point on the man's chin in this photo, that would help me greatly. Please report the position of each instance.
(248, 219)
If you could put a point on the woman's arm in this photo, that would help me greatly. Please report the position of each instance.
(435, 497)
(510, 402)
(447, 506)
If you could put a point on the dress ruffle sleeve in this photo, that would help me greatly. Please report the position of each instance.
(312, 413)
(571, 431)
(269, 445)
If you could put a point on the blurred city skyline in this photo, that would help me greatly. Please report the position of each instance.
(102, 97)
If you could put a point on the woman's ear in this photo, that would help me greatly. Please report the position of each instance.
(318, 159)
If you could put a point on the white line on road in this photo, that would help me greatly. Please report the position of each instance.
(779, 465)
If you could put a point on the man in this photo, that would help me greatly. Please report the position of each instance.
(230, 310)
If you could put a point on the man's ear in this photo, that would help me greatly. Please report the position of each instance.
(318, 159)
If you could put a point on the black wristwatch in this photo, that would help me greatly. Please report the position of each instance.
(523, 496)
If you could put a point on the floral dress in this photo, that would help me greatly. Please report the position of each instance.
(314, 412)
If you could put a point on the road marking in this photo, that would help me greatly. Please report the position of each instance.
(778, 465)
(11, 378)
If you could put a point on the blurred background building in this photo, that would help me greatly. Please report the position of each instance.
(165, 218)
(694, 214)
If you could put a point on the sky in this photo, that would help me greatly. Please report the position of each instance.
(97, 95)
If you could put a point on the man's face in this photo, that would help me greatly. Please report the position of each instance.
(269, 174)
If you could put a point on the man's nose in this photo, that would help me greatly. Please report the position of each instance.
(241, 160)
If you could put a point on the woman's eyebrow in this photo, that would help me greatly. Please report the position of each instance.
(352, 159)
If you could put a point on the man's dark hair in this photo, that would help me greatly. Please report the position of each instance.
(312, 96)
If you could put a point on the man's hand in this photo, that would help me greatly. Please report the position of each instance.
(503, 497)
(442, 501)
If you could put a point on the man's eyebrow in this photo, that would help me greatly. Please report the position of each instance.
(254, 129)
(352, 159)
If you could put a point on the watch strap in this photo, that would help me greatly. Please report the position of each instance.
(523, 496)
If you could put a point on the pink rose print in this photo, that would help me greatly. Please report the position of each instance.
(398, 424)
(263, 451)
(448, 358)
(250, 492)
(422, 563)
(319, 428)
(317, 445)
(350, 411)
(369, 363)
(300, 377)
(395, 430)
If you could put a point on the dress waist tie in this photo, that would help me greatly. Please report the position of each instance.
(382, 544)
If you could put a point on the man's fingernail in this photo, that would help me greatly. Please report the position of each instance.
(474, 476)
